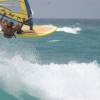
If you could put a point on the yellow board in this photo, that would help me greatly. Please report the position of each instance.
(39, 31)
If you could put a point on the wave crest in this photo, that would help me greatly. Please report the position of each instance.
(72, 81)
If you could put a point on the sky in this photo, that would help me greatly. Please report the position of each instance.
(89, 9)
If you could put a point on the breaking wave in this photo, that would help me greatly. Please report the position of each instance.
(72, 81)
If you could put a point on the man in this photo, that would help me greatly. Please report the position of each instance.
(9, 29)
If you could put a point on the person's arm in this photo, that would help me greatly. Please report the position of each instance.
(1, 20)
(2, 17)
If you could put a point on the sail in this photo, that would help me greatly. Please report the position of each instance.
(17, 10)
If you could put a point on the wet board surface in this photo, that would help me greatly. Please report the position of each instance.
(38, 31)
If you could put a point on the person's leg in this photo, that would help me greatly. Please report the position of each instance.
(31, 27)
(19, 31)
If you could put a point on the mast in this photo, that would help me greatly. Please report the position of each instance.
(29, 12)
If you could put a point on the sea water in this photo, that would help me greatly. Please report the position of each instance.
(62, 66)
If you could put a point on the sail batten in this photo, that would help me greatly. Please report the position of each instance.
(19, 12)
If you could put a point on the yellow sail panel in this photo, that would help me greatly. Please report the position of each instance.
(23, 6)
(2, 0)
(16, 15)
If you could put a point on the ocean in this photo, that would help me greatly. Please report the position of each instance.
(62, 66)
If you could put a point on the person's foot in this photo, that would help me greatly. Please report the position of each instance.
(31, 28)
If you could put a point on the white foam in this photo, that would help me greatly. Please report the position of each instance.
(54, 41)
(72, 30)
(72, 81)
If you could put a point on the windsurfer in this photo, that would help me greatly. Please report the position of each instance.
(8, 28)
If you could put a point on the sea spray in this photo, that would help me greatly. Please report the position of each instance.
(73, 30)
(72, 81)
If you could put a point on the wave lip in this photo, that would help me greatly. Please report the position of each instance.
(73, 30)
(72, 81)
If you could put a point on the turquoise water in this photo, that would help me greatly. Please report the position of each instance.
(62, 66)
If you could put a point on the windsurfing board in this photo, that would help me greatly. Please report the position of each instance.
(38, 31)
